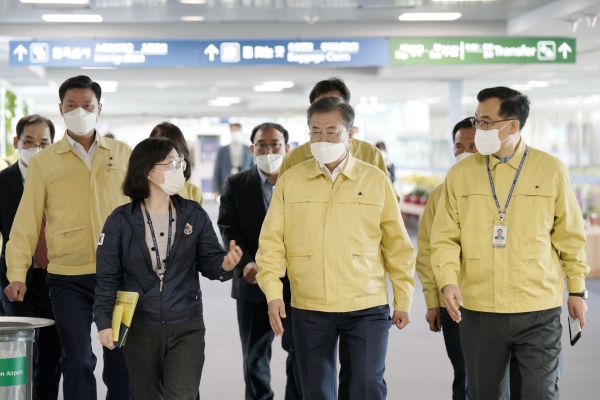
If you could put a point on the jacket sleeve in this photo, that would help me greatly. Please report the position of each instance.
(397, 250)
(568, 234)
(109, 272)
(209, 253)
(446, 238)
(424, 270)
(229, 225)
(271, 256)
(25, 231)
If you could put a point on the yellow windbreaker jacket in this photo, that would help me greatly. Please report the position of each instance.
(545, 238)
(337, 239)
(76, 203)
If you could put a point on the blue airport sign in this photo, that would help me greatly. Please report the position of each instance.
(195, 53)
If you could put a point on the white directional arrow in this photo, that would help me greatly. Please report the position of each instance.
(210, 51)
(565, 49)
(20, 51)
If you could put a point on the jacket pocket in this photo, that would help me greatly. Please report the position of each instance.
(539, 272)
(307, 277)
(68, 243)
(476, 275)
(364, 274)
(538, 207)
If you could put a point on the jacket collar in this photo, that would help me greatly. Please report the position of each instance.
(349, 170)
(515, 160)
(64, 146)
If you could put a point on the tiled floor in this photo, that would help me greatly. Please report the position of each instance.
(417, 366)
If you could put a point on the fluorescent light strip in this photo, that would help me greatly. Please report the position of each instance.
(460, 1)
(263, 88)
(193, 1)
(82, 2)
(192, 18)
(85, 18)
(429, 16)
(98, 67)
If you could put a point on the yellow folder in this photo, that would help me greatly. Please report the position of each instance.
(123, 315)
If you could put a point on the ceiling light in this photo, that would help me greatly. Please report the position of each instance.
(98, 67)
(192, 18)
(274, 86)
(193, 1)
(263, 88)
(72, 18)
(456, 1)
(108, 86)
(224, 101)
(521, 88)
(54, 1)
(538, 84)
(429, 16)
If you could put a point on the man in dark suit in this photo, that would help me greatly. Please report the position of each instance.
(231, 159)
(244, 202)
(34, 133)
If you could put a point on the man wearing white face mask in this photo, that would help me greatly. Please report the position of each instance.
(231, 159)
(335, 228)
(34, 134)
(73, 186)
(510, 291)
(244, 204)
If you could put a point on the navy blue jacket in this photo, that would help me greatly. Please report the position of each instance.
(123, 263)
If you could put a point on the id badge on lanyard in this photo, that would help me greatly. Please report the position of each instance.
(500, 234)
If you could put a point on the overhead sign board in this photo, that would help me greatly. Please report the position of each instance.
(193, 53)
(482, 51)
(371, 52)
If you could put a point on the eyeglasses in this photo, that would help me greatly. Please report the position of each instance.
(29, 144)
(176, 164)
(273, 146)
(329, 135)
(485, 125)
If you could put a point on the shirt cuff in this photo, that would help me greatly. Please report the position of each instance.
(432, 301)
(576, 285)
(403, 305)
(17, 275)
(448, 278)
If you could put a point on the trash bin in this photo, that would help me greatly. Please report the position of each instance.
(17, 335)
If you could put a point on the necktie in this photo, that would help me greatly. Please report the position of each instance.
(41, 251)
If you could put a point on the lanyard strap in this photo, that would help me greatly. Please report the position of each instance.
(502, 214)
(161, 270)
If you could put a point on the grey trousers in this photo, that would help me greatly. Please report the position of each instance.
(487, 340)
(165, 361)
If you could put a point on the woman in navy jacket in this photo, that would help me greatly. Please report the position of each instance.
(155, 246)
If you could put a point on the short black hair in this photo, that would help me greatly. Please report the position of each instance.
(330, 104)
(172, 132)
(513, 103)
(330, 85)
(464, 124)
(380, 146)
(33, 120)
(142, 160)
(79, 82)
(235, 125)
(268, 126)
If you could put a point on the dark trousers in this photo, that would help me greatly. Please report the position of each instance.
(345, 369)
(72, 300)
(166, 361)
(46, 348)
(257, 337)
(315, 340)
(488, 339)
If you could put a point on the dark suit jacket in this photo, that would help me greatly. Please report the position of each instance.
(223, 166)
(11, 191)
(241, 215)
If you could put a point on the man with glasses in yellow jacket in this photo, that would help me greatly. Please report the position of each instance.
(510, 291)
(334, 222)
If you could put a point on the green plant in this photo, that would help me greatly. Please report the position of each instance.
(10, 109)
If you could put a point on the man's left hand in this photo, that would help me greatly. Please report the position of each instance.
(400, 319)
(577, 308)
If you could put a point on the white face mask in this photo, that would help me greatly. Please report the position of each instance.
(80, 122)
(26, 154)
(269, 163)
(488, 142)
(174, 181)
(462, 156)
(327, 152)
(237, 137)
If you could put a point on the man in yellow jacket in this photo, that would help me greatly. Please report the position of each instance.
(71, 188)
(334, 222)
(334, 87)
(510, 291)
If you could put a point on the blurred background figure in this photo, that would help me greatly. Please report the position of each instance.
(170, 131)
(231, 159)
(109, 135)
(388, 164)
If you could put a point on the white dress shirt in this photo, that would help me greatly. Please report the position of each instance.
(85, 156)
(333, 175)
